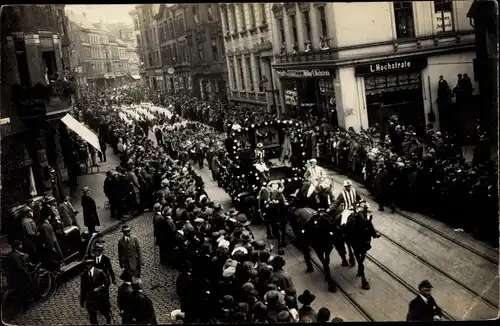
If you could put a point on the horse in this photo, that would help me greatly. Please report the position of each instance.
(316, 230)
(272, 208)
(357, 235)
(322, 196)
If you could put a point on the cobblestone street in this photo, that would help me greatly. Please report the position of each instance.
(159, 284)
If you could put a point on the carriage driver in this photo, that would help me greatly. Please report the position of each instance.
(315, 175)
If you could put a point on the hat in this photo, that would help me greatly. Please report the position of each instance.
(259, 245)
(239, 249)
(347, 183)
(425, 284)
(189, 200)
(85, 189)
(125, 228)
(337, 320)
(313, 160)
(229, 272)
(275, 297)
(157, 207)
(245, 235)
(177, 314)
(232, 212)
(126, 276)
(278, 262)
(167, 211)
(248, 286)
(242, 220)
(199, 220)
(306, 298)
(88, 261)
(217, 206)
(98, 246)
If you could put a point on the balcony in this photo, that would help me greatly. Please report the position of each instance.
(43, 102)
(261, 97)
(312, 56)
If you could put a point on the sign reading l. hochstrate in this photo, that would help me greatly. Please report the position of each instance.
(305, 73)
(391, 65)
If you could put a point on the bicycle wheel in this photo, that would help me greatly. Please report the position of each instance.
(46, 284)
(12, 304)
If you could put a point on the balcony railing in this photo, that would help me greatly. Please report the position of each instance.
(252, 96)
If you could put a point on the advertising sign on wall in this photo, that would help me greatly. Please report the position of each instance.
(305, 73)
(444, 18)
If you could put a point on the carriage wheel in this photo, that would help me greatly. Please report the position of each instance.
(12, 304)
(46, 284)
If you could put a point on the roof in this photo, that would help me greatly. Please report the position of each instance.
(79, 20)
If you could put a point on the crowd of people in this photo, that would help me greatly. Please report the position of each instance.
(226, 274)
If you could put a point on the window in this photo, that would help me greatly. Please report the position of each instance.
(136, 24)
(200, 53)
(138, 40)
(307, 25)
(233, 17)
(194, 10)
(259, 74)
(263, 12)
(225, 18)
(242, 16)
(233, 76)
(252, 14)
(150, 59)
(215, 54)
(282, 29)
(250, 74)
(322, 21)
(22, 68)
(174, 53)
(210, 13)
(403, 13)
(242, 78)
(444, 15)
(294, 28)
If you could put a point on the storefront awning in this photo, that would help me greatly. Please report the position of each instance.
(81, 131)
(136, 77)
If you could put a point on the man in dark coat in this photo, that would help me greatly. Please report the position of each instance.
(112, 192)
(102, 153)
(142, 309)
(94, 292)
(124, 298)
(382, 187)
(90, 217)
(103, 262)
(129, 253)
(424, 307)
(18, 275)
(160, 230)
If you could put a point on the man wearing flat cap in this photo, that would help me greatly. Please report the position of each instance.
(129, 252)
(94, 293)
(424, 307)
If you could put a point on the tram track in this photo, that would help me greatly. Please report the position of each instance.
(490, 258)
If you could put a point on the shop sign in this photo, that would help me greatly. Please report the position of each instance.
(392, 65)
(443, 18)
(304, 73)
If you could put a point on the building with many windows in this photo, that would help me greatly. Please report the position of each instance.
(248, 43)
(326, 61)
(35, 146)
(149, 46)
(208, 61)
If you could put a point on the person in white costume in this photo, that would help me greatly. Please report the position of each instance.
(315, 175)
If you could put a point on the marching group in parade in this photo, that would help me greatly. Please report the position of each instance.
(226, 274)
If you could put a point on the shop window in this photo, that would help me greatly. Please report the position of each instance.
(444, 15)
(307, 25)
(294, 28)
(403, 13)
(282, 29)
(322, 21)
(326, 86)
(392, 82)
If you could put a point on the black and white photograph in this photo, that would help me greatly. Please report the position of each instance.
(249, 162)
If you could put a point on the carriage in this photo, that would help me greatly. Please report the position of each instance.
(282, 142)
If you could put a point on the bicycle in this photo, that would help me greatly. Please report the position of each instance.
(14, 303)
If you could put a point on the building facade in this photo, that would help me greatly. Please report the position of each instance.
(34, 97)
(149, 46)
(174, 52)
(326, 62)
(206, 45)
(248, 43)
(137, 45)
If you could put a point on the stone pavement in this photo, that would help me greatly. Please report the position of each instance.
(63, 308)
